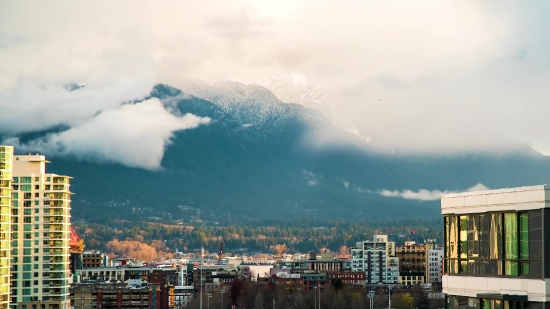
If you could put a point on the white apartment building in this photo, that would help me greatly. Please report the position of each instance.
(435, 265)
(41, 204)
(6, 157)
(496, 247)
(377, 259)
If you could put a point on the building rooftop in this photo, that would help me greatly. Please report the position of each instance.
(508, 199)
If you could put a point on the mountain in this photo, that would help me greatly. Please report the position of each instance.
(257, 160)
(295, 88)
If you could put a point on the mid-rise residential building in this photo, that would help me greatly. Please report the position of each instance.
(377, 259)
(412, 257)
(156, 292)
(411, 279)
(496, 247)
(6, 163)
(41, 204)
(327, 262)
(435, 265)
(94, 259)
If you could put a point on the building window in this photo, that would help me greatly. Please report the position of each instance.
(494, 244)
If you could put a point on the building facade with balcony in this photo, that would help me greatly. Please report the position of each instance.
(377, 259)
(497, 243)
(40, 225)
(6, 163)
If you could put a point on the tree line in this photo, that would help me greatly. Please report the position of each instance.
(255, 236)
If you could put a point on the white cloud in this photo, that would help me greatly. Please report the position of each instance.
(32, 105)
(311, 178)
(346, 183)
(414, 75)
(133, 134)
(426, 195)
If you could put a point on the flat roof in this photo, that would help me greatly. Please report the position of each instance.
(496, 191)
(499, 200)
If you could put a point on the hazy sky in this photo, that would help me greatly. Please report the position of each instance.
(414, 75)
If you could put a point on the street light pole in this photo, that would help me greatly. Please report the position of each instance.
(319, 297)
(221, 304)
(389, 297)
(315, 297)
(201, 288)
(371, 298)
(208, 300)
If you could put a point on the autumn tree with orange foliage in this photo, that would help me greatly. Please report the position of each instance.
(132, 248)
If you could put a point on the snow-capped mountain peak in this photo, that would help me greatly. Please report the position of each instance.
(295, 88)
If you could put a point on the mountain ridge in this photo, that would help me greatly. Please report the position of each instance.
(271, 169)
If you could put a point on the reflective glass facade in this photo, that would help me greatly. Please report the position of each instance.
(494, 244)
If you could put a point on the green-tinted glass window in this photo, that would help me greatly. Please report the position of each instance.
(26, 243)
(511, 244)
(511, 268)
(27, 251)
(36, 178)
(26, 275)
(463, 267)
(26, 187)
(27, 227)
(26, 267)
(26, 211)
(15, 203)
(25, 179)
(524, 236)
(15, 195)
(26, 259)
(510, 236)
(15, 179)
(37, 203)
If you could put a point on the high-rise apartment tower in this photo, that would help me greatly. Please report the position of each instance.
(6, 158)
(41, 206)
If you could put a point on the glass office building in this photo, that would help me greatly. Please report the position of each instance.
(495, 248)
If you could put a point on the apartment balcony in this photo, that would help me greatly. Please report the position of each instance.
(60, 187)
(59, 267)
(60, 261)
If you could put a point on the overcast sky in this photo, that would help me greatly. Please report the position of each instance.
(414, 75)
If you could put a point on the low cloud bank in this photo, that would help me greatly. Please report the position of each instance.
(426, 195)
(104, 124)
